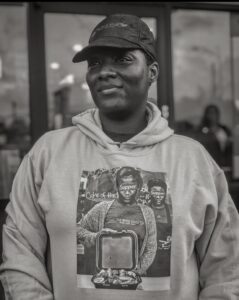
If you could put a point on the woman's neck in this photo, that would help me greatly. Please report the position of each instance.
(130, 125)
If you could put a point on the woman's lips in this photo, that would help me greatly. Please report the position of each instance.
(107, 91)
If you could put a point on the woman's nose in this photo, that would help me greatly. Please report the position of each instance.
(107, 70)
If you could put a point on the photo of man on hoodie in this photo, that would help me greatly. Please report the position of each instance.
(125, 129)
(163, 215)
(124, 213)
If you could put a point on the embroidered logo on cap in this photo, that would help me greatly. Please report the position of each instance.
(107, 26)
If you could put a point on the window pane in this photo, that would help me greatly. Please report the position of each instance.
(68, 93)
(201, 46)
(14, 86)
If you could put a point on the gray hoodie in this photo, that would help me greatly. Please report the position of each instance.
(39, 238)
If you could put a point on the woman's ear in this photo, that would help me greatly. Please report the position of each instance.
(153, 72)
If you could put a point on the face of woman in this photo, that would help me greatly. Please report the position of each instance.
(118, 80)
(127, 190)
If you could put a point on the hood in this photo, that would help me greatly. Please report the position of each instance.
(156, 131)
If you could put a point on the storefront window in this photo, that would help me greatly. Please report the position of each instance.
(202, 80)
(14, 99)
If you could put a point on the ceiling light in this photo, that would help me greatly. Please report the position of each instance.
(68, 80)
(55, 66)
(77, 47)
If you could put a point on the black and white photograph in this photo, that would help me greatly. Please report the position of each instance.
(119, 150)
(125, 199)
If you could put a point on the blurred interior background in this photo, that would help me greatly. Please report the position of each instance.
(41, 89)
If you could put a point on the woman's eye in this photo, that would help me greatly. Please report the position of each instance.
(124, 59)
(93, 63)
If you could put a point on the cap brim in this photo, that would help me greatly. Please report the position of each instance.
(108, 42)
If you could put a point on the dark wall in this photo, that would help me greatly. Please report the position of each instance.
(2, 220)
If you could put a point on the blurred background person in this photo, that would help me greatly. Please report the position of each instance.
(163, 217)
(216, 137)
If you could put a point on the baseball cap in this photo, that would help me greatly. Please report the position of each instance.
(119, 31)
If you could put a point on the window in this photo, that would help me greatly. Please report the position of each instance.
(14, 86)
(203, 81)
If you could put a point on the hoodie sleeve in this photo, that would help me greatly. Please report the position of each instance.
(23, 272)
(218, 249)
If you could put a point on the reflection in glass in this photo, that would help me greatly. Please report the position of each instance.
(68, 92)
(14, 86)
(202, 77)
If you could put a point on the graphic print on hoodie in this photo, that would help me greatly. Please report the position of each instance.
(150, 217)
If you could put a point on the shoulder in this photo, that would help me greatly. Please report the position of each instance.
(191, 152)
(185, 141)
(185, 146)
(53, 140)
(52, 137)
(50, 144)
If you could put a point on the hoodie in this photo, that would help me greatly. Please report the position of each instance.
(70, 170)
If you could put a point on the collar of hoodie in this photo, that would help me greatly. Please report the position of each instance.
(156, 130)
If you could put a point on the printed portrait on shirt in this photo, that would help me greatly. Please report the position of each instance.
(118, 201)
